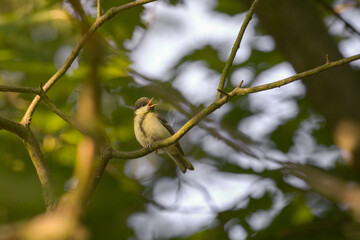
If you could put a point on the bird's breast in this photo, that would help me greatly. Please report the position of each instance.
(148, 128)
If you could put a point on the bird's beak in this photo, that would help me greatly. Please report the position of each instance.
(150, 104)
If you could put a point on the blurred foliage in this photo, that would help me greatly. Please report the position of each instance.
(35, 39)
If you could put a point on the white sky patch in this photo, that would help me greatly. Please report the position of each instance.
(60, 57)
(262, 218)
(188, 27)
(263, 43)
(306, 148)
(157, 224)
(193, 211)
(351, 45)
(245, 74)
(274, 106)
(223, 190)
(197, 82)
(237, 232)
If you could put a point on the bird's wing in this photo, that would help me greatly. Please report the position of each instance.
(166, 124)
(169, 128)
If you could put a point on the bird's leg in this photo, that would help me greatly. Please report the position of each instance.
(149, 146)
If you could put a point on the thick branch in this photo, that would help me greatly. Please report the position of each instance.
(12, 126)
(235, 48)
(42, 169)
(36, 156)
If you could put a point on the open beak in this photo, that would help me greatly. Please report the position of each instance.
(150, 104)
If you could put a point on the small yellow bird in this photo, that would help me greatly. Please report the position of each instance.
(149, 127)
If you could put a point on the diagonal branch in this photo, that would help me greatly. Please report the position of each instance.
(112, 12)
(98, 13)
(45, 99)
(235, 49)
(51, 105)
(43, 172)
(36, 156)
(107, 153)
(337, 15)
(218, 103)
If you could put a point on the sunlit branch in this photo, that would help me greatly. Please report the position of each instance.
(235, 49)
(75, 52)
(48, 103)
(98, 8)
(36, 156)
(312, 72)
(218, 103)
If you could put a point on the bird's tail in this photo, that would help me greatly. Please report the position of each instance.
(182, 162)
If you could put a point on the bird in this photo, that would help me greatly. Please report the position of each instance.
(149, 127)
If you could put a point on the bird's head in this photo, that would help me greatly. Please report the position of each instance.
(144, 105)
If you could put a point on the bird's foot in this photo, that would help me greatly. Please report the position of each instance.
(149, 146)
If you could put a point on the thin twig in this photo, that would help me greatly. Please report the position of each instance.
(223, 92)
(5, 88)
(330, 9)
(235, 49)
(311, 72)
(51, 105)
(98, 8)
(46, 100)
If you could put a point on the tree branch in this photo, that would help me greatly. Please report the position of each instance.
(311, 72)
(337, 15)
(235, 49)
(47, 183)
(4, 88)
(50, 105)
(75, 52)
(46, 100)
(98, 14)
(218, 103)
(37, 158)
(12, 126)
